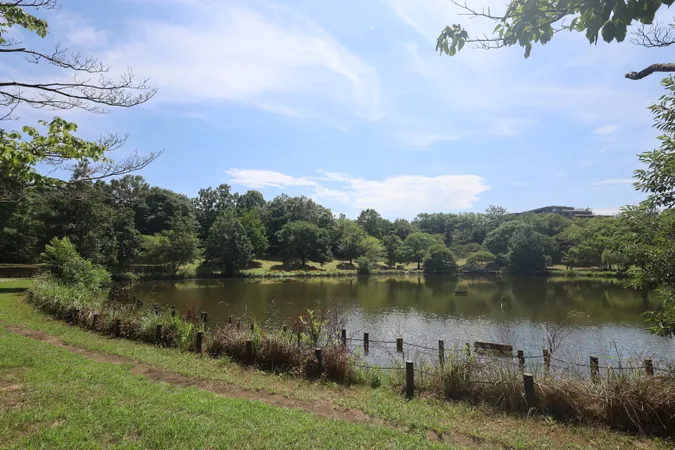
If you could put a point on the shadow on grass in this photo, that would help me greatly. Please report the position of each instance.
(12, 290)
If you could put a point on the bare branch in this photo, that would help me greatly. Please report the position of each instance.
(654, 36)
(664, 67)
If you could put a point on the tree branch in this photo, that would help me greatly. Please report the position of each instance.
(663, 67)
(655, 36)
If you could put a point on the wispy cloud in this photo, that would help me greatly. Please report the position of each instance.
(614, 181)
(273, 58)
(402, 195)
(606, 129)
(258, 179)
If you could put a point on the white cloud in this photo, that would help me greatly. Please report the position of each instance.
(78, 30)
(258, 179)
(420, 139)
(614, 181)
(606, 129)
(273, 58)
(611, 211)
(396, 196)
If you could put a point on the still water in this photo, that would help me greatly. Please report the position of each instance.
(599, 317)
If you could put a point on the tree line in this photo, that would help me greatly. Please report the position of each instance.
(126, 221)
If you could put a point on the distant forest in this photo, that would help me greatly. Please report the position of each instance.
(126, 221)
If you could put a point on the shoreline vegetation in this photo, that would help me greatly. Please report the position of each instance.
(271, 269)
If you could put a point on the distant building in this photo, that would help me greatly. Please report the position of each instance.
(567, 211)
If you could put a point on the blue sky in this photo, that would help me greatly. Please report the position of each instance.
(347, 102)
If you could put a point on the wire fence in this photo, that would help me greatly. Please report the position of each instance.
(545, 361)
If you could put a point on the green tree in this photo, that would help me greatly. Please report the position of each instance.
(527, 22)
(479, 259)
(416, 246)
(497, 241)
(494, 217)
(616, 259)
(251, 200)
(436, 223)
(255, 230)
(159, 208)
(180, 244)
(371, 248)
(23, 152)
(439, 259)
(351, 236)
(305, 241)
(392, 245)
(284, 209)
(211, 203)
(525, 255)
(371, 221)
(402, 228)
(69, 267)
(227, 246)
(584, 256)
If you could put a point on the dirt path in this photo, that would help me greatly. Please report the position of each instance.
(321, 408)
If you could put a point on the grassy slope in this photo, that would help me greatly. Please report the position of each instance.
(70, 401)
(67, 398)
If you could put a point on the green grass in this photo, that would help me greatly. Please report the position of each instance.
(67, 398)
(62, 400)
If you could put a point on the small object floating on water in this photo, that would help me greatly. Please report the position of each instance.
(458, 292)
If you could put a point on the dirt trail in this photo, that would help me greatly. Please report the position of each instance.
(321, 408)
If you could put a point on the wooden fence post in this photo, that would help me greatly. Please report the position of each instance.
(366, 343)
(530, 393)
(547, 360)
(299, 335)
(595, 369)
(229, 321)
(441, 352)
(252, 327)
(118, 327)
(399, 345)
(94, 320)
(521, 359)
(158, 333)
(318, 353)
(649, 367)
(249, 351)
(238, 323)
(173, 311)
(343, 336)
(205, 317)
(284, 328)
(198, 343)
(409, 380)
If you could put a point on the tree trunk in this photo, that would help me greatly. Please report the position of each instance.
(418, 265)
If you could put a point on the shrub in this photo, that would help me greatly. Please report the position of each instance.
(364, 266)
(480, 259)
(337, 364)
(67, 266)
(439, 259)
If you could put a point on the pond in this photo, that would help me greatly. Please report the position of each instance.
(589, 317)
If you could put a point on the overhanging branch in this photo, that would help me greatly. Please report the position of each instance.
(663, 67)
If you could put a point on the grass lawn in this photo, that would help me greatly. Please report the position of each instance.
(272, 267)
(53, 398)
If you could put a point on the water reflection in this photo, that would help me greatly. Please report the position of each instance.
(606, 317)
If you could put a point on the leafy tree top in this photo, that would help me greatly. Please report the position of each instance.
(528, 22)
